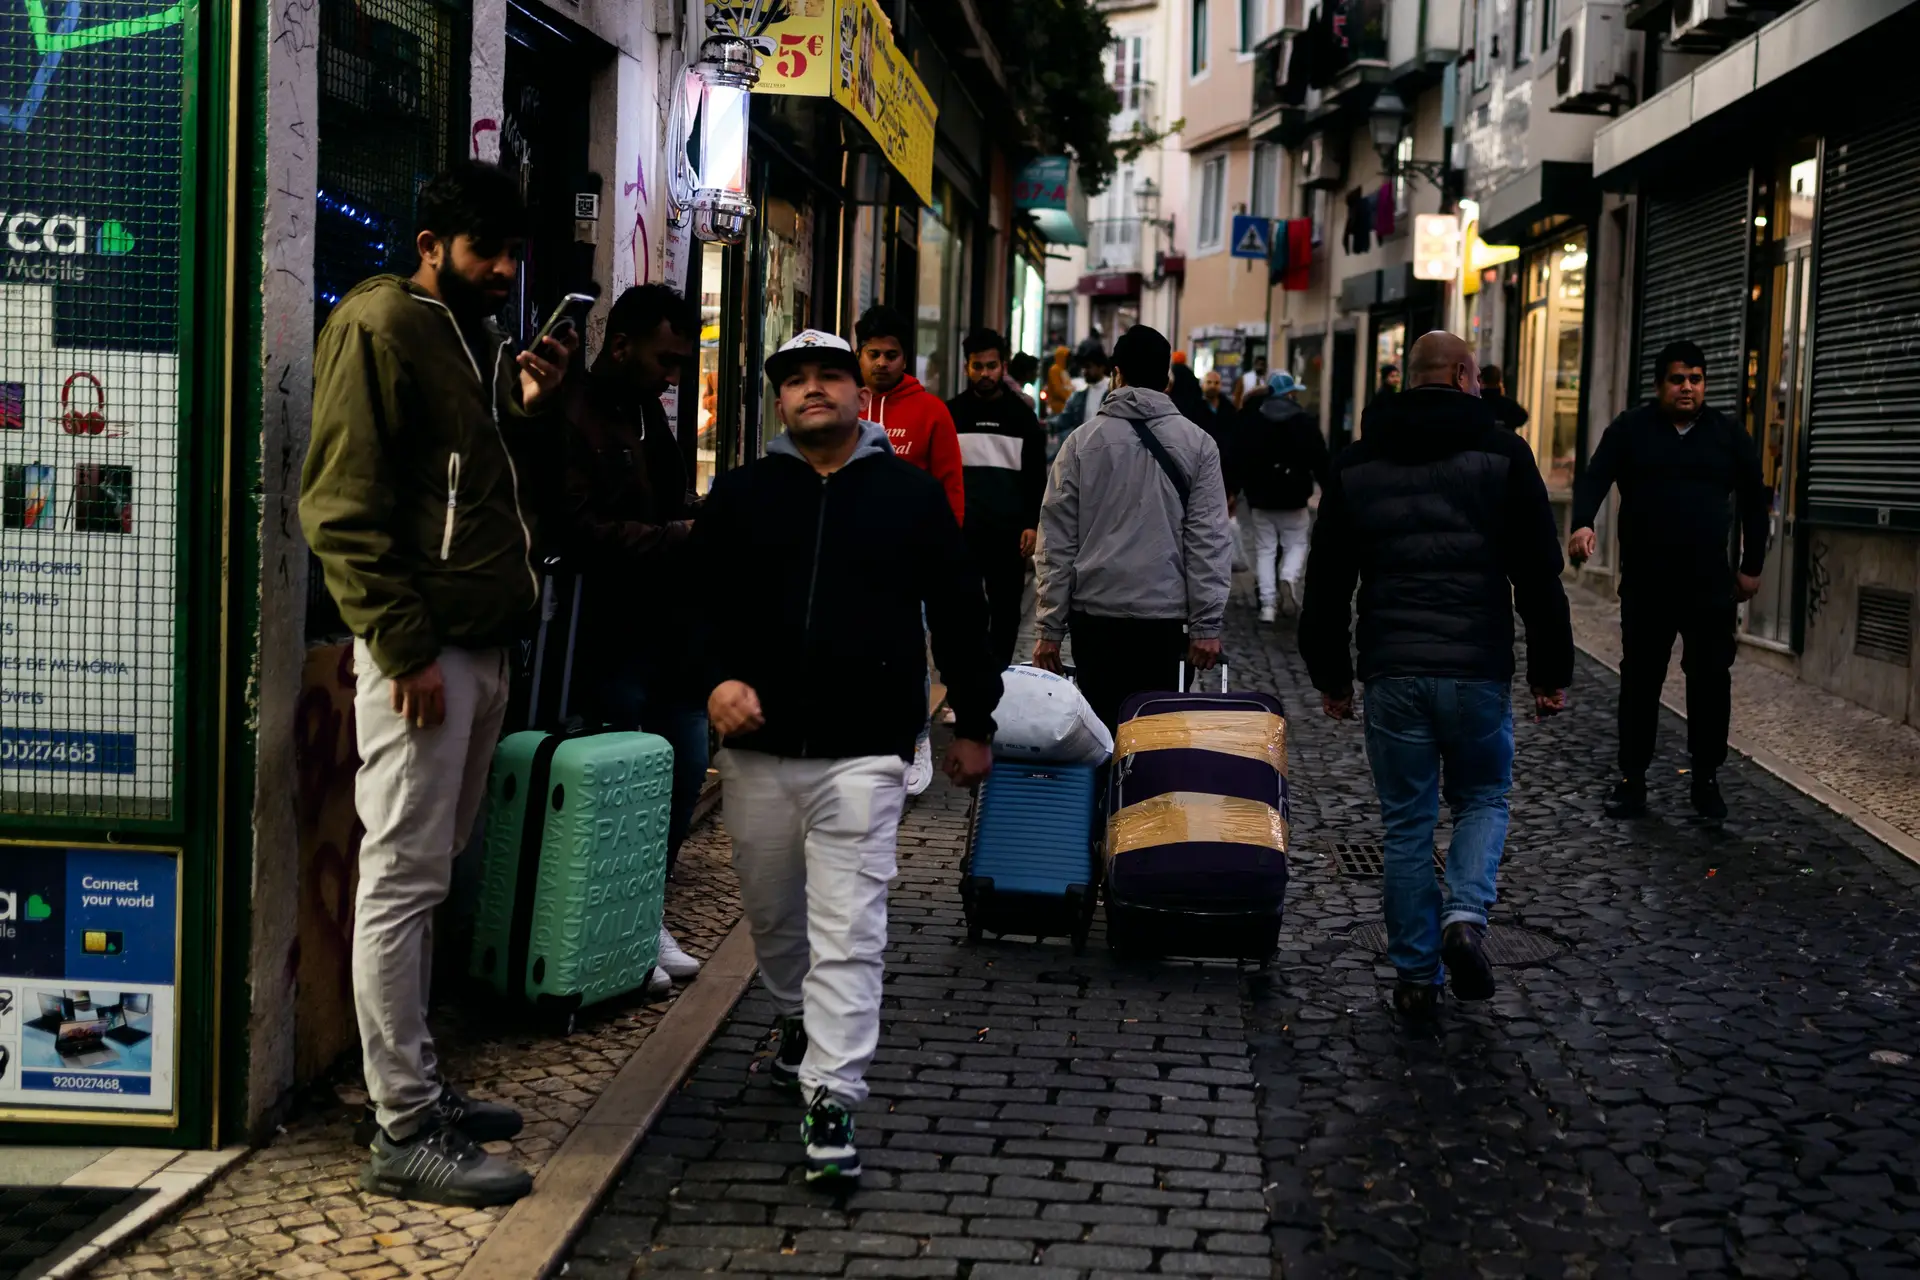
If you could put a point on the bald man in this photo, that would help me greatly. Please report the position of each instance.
(1439, 515)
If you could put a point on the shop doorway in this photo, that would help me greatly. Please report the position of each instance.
(1552, 343)
(1777, 383)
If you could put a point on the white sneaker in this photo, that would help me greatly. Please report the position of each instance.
(678, 964)
(920, 772)
(1268, 613)
(659, 985)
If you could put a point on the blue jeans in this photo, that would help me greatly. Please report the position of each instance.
(1416, 728)
(627, 702)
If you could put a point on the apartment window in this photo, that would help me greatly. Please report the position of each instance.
(1402, 184)
(1249, 25)
(1486, 44)
(1126, 71)
(1199, 37)
(1213, 202)
(1265, 198)
(1528, 12)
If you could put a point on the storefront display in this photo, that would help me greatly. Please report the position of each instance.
(1552, 343)
(789, 281)
(943, 275)
(89, 963)
(706, 450)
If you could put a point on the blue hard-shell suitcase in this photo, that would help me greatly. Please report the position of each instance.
(1032, 864)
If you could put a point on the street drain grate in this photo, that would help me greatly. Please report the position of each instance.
(1367, 860)
(40, 1226)
(1505, 944)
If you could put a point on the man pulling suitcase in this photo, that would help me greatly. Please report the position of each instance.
(822, 555)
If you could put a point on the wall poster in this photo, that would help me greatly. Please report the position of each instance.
(89, 964)
(91, 118)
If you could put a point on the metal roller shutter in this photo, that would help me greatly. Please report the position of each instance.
(1864, 426)
(1693, 274)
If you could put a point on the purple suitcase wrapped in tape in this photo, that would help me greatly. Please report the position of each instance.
(1197, 825)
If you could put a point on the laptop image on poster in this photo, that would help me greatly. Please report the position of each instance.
(120, 1031)
(54, 1010)
(83, 1044)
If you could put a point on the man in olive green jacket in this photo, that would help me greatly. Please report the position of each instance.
(413, 502)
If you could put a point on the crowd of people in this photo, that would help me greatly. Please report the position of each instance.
(788, 613)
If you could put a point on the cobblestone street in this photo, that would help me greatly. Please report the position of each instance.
(1707, 1075)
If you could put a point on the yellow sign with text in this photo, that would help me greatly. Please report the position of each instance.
(843, 49)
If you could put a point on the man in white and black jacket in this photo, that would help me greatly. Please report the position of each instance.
(820, 557)
(1440, 515)
(1004, 457)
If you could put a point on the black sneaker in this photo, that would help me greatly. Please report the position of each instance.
(1418, 1003)
(1629, 799)
(481, 1121)
(441, 1165)
(1707, 800)
(1463, 949)
(828, 1132)
(792, 1051)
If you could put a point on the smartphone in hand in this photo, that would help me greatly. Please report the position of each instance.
(569, 314)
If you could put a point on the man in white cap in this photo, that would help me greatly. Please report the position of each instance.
(822, 555)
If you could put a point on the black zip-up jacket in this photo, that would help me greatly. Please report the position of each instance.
(1278, 454)
(1440, 514)
(1003, 455)
(1678, 498)
(814, 591)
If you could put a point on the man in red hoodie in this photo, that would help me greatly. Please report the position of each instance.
(917, 422)
(921, 431)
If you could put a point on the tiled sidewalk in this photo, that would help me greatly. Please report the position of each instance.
(295, 1208)
(1865, 758)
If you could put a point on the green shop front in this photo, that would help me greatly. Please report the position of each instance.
(115, 408)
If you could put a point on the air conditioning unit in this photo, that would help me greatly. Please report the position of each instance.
(1698, 24)
(1590, 76)
(1323, 163)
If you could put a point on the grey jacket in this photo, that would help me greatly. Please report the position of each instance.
(1114, 541)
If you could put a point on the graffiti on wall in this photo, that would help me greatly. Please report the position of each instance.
(330, 835)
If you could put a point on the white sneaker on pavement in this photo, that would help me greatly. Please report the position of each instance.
(678, 964)
(659, 985)
(1268, 612)
(920, 772)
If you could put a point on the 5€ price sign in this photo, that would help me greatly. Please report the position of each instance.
(799, 53)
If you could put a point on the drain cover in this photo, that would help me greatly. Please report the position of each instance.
(41, 1225)
(1365, 859)
(1506, 944)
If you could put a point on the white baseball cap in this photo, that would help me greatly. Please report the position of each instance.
(811, 345)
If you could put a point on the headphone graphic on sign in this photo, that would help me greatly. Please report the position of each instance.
(85, 422)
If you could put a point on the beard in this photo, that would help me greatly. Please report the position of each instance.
(986, 388)
(465, 299)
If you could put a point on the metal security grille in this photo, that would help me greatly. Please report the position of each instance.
(1505, 944)
(92, 102)
(1863, 466)
(1368, 861)
(1694, 283)
(1883, 625)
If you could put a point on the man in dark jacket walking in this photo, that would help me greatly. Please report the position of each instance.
(1507, 411)
(625, 519)
(1685, 473)
(1004, 453)
(1441, 516)
(1278, 457)
(412, 500)
(820, 557)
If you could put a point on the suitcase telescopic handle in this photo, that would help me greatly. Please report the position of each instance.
(1183, 676)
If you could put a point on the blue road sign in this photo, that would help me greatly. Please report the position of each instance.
(1252, 236)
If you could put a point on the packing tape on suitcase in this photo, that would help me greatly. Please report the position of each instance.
(1195, 817)
(1257, 735)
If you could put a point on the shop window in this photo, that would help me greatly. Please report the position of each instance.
(940, 318)
(1213, 199)
(706, 447)
(1199, 37)
(1552, 343)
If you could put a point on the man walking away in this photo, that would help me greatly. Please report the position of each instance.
(1023, 371)
(1135, 556)
(1441, 517)
(1278, 457)
(1684, 471)
(412, 501)
(1006, 472)
(626, 517)
(1083, 406)
(1506, 410)
(821, 557)
(921, 432)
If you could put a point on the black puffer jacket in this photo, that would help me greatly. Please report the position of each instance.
(1440, 515)
(1278, 454)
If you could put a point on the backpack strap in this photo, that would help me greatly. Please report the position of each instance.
(1161, 456)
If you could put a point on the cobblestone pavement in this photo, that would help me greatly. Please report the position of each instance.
(295, 1208)
(1708, 1078)
(1864, 756)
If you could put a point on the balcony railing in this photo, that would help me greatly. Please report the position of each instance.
(1114, 244)
(1359, 33)
(1137, 100)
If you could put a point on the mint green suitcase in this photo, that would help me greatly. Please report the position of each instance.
(574, 866)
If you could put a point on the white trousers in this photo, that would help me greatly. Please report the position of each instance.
(1281, 535)
(813, 845)
(418, 792)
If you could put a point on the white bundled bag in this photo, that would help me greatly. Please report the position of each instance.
(1043, 718)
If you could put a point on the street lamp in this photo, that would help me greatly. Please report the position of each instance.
(1386, 121)
(1146, 198)
(707, 135)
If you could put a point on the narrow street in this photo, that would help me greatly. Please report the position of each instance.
(1702, 1067)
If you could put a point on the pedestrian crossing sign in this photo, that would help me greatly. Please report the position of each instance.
(1252, 236)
